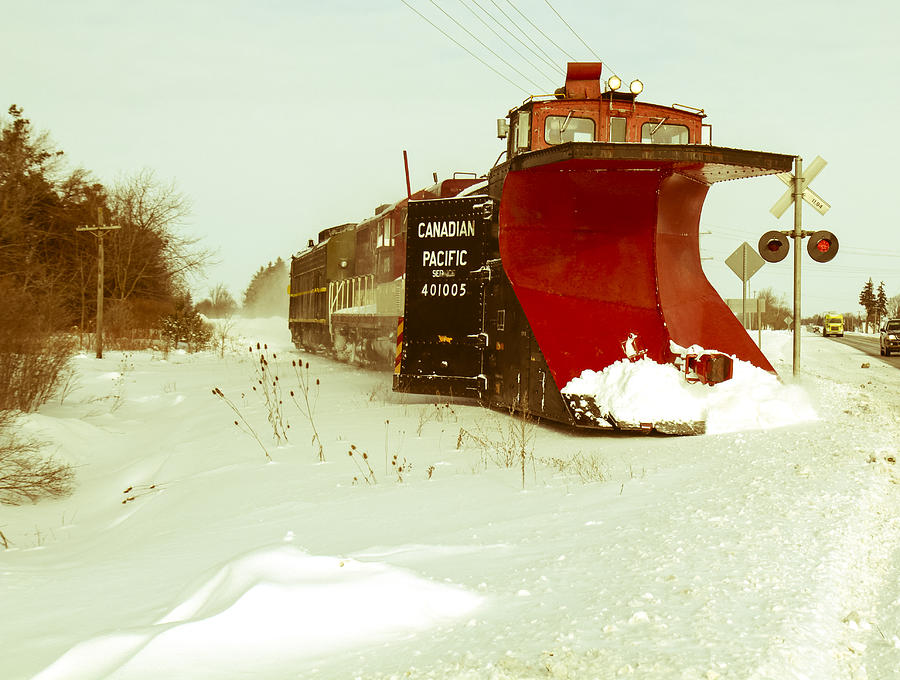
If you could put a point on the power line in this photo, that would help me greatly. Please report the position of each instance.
(478, 40)
(543, 56)
(503, 40)
(537, 28)
(596, 56)
(525, 33)
(871, 253)
(547, 37)
(458, 44)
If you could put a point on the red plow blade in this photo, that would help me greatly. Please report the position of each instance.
(597, 250)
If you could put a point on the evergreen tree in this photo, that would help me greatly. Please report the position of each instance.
(881, 304)
(38, 213)
(868, 300)
(186, 325)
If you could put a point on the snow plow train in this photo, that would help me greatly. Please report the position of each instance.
(579, 251)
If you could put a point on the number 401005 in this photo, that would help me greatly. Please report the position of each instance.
(443, 289)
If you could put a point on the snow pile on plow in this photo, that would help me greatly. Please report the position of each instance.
(645, 395)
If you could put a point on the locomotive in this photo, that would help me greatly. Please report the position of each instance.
(580, 245)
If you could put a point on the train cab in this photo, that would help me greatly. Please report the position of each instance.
(587, 109)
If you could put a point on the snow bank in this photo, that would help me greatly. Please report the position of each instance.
(275, 603)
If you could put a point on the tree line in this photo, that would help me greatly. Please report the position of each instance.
(45, 258)
(148, 260)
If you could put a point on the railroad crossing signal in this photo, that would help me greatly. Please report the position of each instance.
(810, 196)
(774, 245)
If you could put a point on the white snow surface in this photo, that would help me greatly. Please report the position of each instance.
(636, 391)
(766, 548)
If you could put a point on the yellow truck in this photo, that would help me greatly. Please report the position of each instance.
(833, 325)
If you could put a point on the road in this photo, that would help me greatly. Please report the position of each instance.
(868, 345)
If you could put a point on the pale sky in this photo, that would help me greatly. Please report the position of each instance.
(278, 119)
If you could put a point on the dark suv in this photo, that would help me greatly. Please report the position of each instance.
(889, 339)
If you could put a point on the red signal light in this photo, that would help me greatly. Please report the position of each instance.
(822, 246)
(773, 246)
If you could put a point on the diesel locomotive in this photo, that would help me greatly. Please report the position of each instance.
(506, 286)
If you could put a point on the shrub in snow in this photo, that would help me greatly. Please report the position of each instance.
(588, 467)
(509, 443)
(25, 475)
(34, 360)
(186, 325)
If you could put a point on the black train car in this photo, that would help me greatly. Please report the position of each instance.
(465, 333)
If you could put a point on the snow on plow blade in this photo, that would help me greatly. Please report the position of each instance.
(600, 241)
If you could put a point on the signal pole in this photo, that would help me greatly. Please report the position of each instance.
(99, 230)
(798, 241)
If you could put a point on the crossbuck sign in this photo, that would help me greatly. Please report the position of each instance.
(821, 205)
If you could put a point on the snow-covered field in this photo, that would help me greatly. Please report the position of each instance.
(752, 552)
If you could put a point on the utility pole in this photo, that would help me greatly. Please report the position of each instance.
(99, 230)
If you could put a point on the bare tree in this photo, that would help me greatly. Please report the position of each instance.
(219, 304)
(776, 309)
(894, 306)
(148, 256)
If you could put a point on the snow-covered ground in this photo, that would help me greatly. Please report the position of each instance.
(753, 551)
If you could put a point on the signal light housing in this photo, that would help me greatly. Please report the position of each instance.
(822, 246)
(773, 246)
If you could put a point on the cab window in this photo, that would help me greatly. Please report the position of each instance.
(661, 133)
(560, 129)
(617, 129)
(523, 130)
